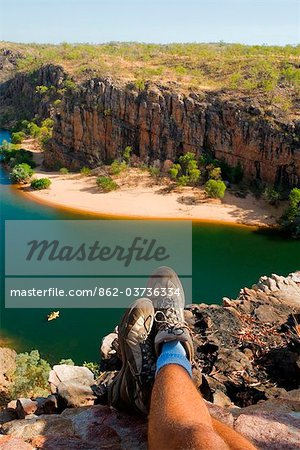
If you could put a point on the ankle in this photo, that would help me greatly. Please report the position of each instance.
(173, 353)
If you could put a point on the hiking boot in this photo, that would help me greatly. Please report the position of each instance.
(169, 305)
(131, 389)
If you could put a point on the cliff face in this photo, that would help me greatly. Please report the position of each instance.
(98, 121)
(19, 98)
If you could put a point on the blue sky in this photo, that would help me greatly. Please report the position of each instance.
(96, 21)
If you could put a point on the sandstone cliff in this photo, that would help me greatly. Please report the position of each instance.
(100, 117)
(99, 120)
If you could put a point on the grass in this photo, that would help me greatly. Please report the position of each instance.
(216, 65)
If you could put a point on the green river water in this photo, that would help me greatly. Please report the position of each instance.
(225, 259)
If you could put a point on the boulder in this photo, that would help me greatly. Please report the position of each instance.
(271, 425)
(72, 384)
(91, 428)
(76, 392)
(12, 443)
(7, 367)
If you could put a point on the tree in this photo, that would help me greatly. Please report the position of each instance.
(215, 188)
(187, 171)
(17, 138)
(21, 173)
(290, 221)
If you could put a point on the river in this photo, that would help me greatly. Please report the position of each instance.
(225, 259)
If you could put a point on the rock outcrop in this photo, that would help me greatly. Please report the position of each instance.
(97, 119)
(101, 118)
(248, 350)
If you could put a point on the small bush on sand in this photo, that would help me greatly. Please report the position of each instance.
(215, 188)
(21, 173)
(106, 184)
(154, 172)
(63, 171)
(40, 183)
(117, 167)
(86, 171)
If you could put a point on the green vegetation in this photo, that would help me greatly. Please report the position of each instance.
(215, 188)
(86, 171)
(42, 132)
(154, 172)
(290, 220)
(186, 171)
(17, 138)
(68, 362)
(30, 378)
(94, 367)
(127, 154)
(40, 183)
(13, 156)
(270, 70)
(271, 195)
(211, 169)
(21, 173)
(63, 171)
(107, 184)
(117, 167)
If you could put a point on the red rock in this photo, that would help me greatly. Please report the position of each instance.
(12, 443)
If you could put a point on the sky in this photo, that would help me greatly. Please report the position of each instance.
(273, 22)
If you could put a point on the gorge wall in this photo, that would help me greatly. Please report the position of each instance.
(99, 118)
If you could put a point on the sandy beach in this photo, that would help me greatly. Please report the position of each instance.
(139, 196)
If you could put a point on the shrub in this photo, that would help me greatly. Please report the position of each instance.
(183, 180)
(290, 221)
(94, 367)
(117, 167)
(127, 154)
(69, 85)
(187, 171)
(174, 171)
(271, 195)
(40, 183)
(30, 378)
(106, 184)
(12, 156)
(215, 188)
(34, 129)
(86, 171)
(17, 138)
(41, 89)
(63, 171)
(154, 172)
(215, 173)
(57, 102)
(21, 173)
(140, 85)
(68, 362)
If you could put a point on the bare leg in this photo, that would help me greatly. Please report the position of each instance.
(180, 420)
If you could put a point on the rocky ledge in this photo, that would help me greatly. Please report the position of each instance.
(247, 366)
